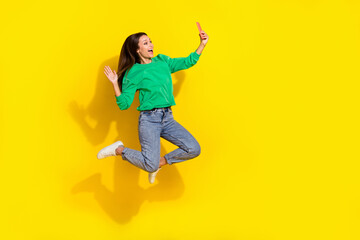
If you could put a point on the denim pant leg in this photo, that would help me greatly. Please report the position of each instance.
(149, 135)
(175, 133)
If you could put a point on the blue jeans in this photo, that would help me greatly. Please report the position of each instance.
(154, 124)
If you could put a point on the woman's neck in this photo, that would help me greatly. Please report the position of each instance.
(145, 60)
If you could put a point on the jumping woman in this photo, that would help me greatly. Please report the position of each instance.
(139, 70)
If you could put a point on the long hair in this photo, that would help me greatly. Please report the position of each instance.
(128, 55)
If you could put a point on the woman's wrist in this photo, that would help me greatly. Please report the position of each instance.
(115, 83)
(200, 48)
(116, 88)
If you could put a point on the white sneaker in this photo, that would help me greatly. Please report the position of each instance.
(152, 176)
(109, 150)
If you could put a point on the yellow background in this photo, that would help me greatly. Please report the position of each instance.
(273, 101)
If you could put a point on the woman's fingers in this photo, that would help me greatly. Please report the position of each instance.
(108, 71)
(107, 68)
(203, 35)
(110, 74)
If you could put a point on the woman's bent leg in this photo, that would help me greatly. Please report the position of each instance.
(149, 157)
(188, 146)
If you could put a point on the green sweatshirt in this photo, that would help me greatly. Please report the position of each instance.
(153, 80)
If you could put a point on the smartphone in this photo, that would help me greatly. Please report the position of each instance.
(199, 27)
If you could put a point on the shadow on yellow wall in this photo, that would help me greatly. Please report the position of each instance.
(126, 199)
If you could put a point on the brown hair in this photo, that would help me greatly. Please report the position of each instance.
(128, 55)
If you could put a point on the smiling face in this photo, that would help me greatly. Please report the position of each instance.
(146, 47)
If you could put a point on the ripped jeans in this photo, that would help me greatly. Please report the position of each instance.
(154, 124)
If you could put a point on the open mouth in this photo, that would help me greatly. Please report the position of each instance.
(151, 51)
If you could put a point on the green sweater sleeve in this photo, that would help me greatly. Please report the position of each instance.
(127, 95)
(177, 64)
